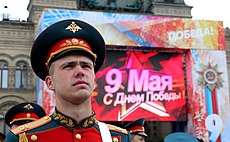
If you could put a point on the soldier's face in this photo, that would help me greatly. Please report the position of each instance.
(137, 138)
(72, 78)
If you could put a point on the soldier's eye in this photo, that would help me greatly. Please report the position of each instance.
(68, 66)
(86, 66)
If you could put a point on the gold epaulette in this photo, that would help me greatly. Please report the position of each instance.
(117, 129)
(31, 125)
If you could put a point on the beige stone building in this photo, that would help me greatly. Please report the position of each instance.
(17, 80)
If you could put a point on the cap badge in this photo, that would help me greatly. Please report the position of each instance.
(73, 42)
(73, 27)
(28, 107)
(28, 115)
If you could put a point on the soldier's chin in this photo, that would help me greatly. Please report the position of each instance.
(78, 99)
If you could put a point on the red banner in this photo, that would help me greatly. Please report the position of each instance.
(131, 84)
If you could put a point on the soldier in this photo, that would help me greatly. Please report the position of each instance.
(66, 55)
(180, 137)
(137, 130)
(23, 113)
(2, 137)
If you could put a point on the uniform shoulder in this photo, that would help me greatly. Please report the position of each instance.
(117, 129)
(31, 125)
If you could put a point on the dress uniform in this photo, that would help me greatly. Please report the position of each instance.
(180, 137)
(55, 41)
(136, 127)
(23, 113)
(2, 137)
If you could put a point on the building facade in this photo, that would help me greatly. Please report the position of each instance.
(17, 80)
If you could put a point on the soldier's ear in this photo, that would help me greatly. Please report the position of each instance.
(49, 82)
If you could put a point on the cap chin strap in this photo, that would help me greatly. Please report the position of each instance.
(105, 133)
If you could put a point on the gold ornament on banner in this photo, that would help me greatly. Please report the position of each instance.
(210, 77)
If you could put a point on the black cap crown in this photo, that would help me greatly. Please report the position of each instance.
(136, 127)
(81, 37)
(23, 113)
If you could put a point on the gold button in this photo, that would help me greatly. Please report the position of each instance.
(34, 137)
(115, 139)
(28, 115)
(78, 136)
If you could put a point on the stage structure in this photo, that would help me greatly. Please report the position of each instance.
(159, 68)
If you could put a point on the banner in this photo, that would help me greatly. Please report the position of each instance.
(208, 95)
(134, 83)
(136, 80)
(145, 30)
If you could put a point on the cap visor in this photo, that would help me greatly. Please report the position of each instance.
(142, 134)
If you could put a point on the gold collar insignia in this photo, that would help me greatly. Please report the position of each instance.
(72, 123)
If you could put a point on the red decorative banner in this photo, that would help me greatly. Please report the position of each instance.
(131, 84)
(122, 29)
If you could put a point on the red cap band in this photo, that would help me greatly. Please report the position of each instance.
(69, 43)
(136, 129)
(24, 116)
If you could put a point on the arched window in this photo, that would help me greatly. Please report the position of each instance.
(3, 74)
(21, 75)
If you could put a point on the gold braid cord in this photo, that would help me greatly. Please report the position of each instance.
(23, 138)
